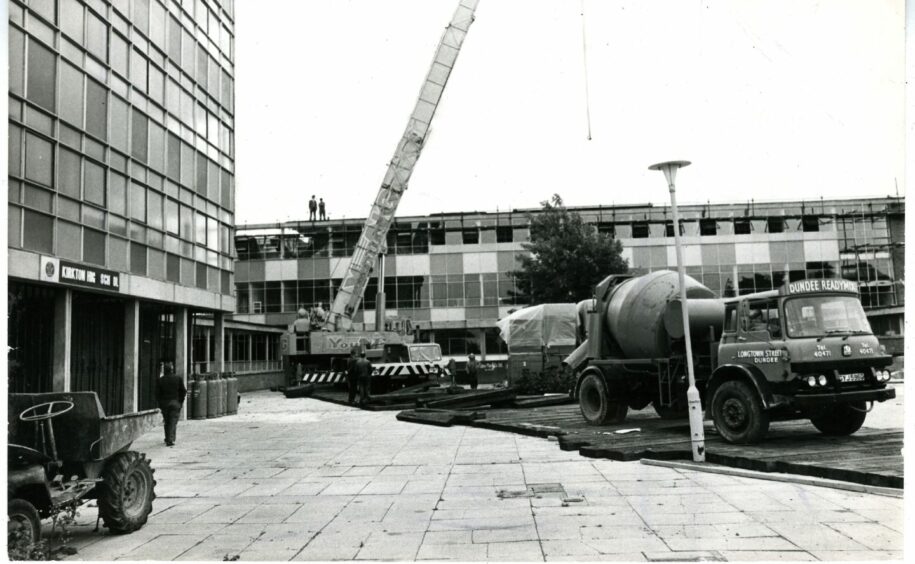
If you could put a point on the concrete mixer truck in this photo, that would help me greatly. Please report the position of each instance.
(805, 350)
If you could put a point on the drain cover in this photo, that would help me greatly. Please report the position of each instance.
(534, 490)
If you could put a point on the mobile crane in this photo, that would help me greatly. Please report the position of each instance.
(323, 349)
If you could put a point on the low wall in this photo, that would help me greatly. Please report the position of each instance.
(260, 381)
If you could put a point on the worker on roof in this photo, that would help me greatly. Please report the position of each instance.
(312, 208)
(321, 213)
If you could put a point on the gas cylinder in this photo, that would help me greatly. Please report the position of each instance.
(199, 399)
(231, 394)
(220, 396)
(212, 396)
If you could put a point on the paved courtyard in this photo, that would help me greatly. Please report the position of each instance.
(306, 480)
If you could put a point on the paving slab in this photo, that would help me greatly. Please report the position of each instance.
(358, 485)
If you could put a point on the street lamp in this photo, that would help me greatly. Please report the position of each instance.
(696, 431)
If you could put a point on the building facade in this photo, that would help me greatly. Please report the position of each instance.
(451, 273)
(121, 191)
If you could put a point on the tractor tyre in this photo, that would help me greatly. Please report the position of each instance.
(23, 529)
(595, 403)
(126, 492)
(738, 413)
(841, 419)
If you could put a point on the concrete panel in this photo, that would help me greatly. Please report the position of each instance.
(289, 269)
(627, 255)
(692, 255)
(489, 262)
(752, 253)
(470, 263)
(23, 264)
(322, 269)
(727, 254)
(437, 265)
(658, 257)
(413, 265)
(242, 269)
(448, 314)
(256, 271)
(641, 257)
(337, 267)
(143, 287)
(273, 270)
(829, 249)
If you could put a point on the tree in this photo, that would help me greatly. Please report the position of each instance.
(567, 257)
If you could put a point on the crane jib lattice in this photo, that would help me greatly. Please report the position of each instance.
(374, 232)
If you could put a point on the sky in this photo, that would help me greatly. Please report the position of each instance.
(769, 99)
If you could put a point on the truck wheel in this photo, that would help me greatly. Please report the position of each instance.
(841, 419)
(594, 402)
(23, 529)
(668, 412)
(126, 492)
(738, 413)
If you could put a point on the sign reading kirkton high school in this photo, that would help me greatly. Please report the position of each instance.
(65, 272)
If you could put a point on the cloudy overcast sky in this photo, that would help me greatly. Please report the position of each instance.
(768, 99)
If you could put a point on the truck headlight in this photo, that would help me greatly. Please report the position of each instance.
(812, 381)
(821, 379)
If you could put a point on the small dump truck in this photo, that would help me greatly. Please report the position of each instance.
(805, 351)
(539, 338)
(63, 451)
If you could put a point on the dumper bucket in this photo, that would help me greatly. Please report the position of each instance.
(118, 432)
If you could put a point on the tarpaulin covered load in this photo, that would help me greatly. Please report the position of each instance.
(545, 325)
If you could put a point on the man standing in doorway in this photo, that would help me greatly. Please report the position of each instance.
(363, 370)
(321, 214)
(312, 208)
(472, 368)
(170, 394)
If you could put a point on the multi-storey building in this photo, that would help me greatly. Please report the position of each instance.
(121, 190)
(451, 273)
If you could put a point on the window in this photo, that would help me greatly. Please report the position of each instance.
(154, 209)
(41, 77)
(71, 19)
(93, 183)
(174, 157)
(139, 135)
(187, 223)
(96, 109)
(741, 226)
(137, 202)
(759, 315)
(156, 146)
(45, 8)
(212, 234)
(156, 84)
(811, 223)
(174, 40)
(68, 173)
(201, 276)
(138, 259)
(94, 246)
(470, 236)
(140, 16)
(188, 52)
(775, 225)
(138, 70)
(119, 124)
(202, 60)
(97, 36)
(171, 216)
(39, 160)
(119, 55)
(640, 230)
(200, 225)
(38, 232)
(504, 234)
(730, 318)
(187, 164)
(117, 193)
(16, 62)
(708, 227)
(71, 95)
(172, 268)
(201, 175)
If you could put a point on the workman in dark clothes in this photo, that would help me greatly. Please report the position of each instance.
(312, 208)
(321, 213)
(472, 368)
(170, 393)
(351, 381)
(363, 369)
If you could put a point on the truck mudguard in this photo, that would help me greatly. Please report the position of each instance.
(750, 374)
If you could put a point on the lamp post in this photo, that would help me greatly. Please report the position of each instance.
(697, 433)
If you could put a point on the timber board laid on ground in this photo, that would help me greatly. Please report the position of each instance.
(870, 456)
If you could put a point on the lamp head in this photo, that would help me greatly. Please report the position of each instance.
(669, 168)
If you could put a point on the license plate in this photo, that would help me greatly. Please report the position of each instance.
(856, 377)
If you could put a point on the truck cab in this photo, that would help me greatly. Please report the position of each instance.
(403, 364)
(803, 351)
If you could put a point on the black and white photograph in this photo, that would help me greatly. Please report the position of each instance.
(456, 280)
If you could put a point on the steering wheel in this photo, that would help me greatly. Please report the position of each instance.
(53, 409)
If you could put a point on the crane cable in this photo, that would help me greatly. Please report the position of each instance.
(584, 52)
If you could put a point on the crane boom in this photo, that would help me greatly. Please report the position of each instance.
(374, 232)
